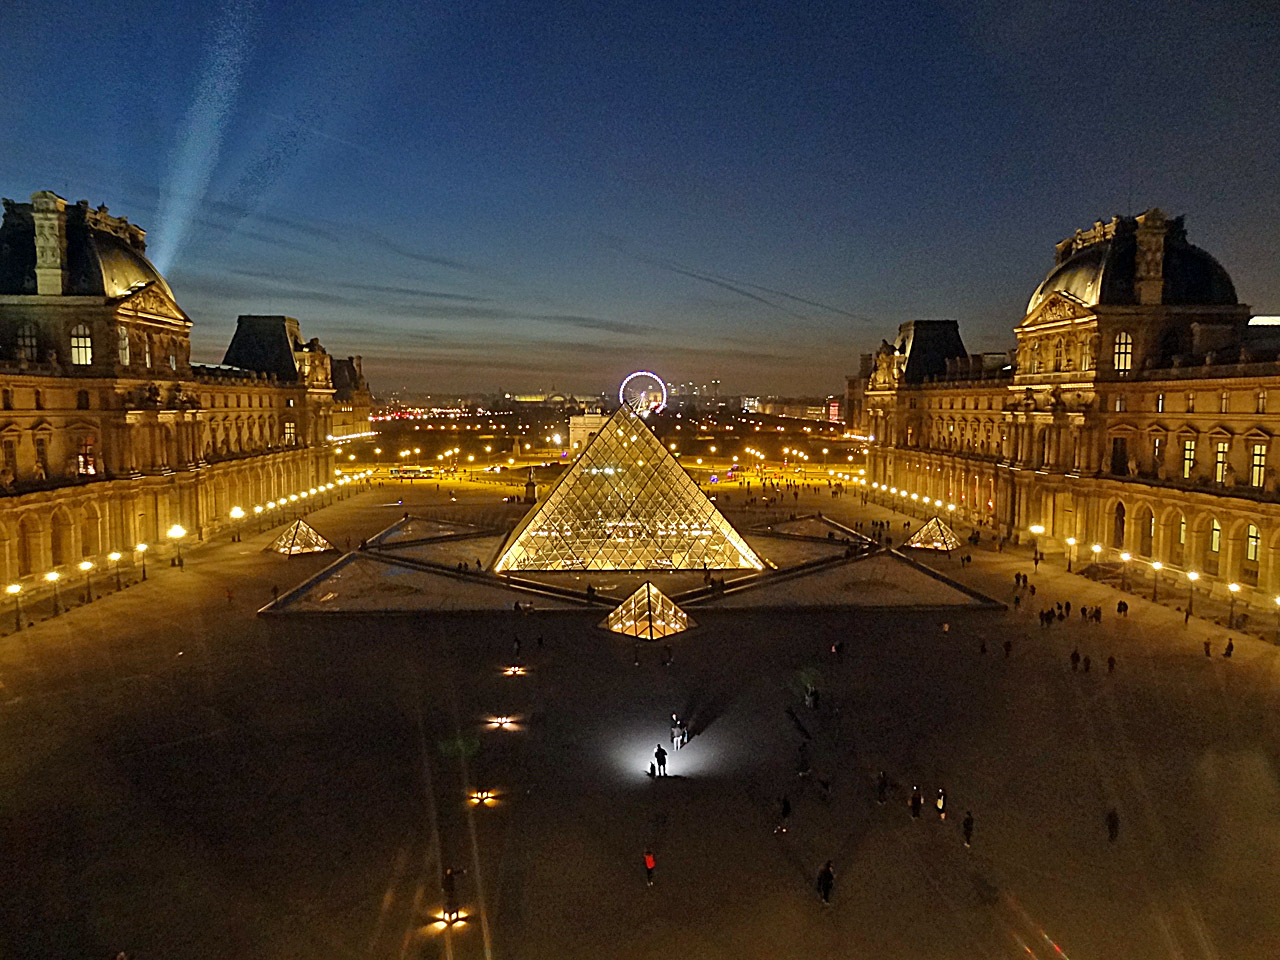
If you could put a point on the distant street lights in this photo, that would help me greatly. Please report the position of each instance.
(1192, 577)
(176, 533)
(53, 576)
(141, 549)
(15, 590)
(1156, 567)
(1071, 543)
(114, 557)
(86, 567)
(237, 514)
(1124, 570)
(1234, 588)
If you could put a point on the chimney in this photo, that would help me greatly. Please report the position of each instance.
(49, 215)
(1148, 280)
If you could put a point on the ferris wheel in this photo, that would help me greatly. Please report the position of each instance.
(644, 392)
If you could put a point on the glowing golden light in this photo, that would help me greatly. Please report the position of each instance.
(176, 532)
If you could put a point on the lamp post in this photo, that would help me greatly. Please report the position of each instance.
(86, 567)
(237, 514)
(1124, 570)
(1037, 531)
(53, 576)
(114, 557)
(142, 549)
(1095, 550)
(1234, 588)
(1192, 577)
(15, 590)
(1071, 543)
(176, 533)
(1156, 567)
(1277, 619)
(257, 512)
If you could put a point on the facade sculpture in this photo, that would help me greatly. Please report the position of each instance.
(109, 433)
(1137, 411)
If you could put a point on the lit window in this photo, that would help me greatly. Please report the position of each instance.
(124, 346)
(147, 342)
(1057, 354)
(290, 432)
(1262, 401)
(1215, 537)
(1257, 464)
(1252, 541)
(81, 345)
(1157, 450)
(1220, 461)
(1223, 402)
(1159, 403)
(28, 342)
(1123, 355)
(1188, 458)
(1191, 403)
(1182, 530)
(1120, 404)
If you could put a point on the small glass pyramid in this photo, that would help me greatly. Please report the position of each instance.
(648, 614)
(300, 537)
(934, 535)
(625, 504)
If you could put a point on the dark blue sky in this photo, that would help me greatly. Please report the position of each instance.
(521, 195)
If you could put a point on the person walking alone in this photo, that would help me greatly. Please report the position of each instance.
(650, 864)
(784, 814)
(660, 757)
(882, 787)
(967, 826)
(941, 804)
(826, 882)
(1113, 824)
(916, 802)
(1231, 648)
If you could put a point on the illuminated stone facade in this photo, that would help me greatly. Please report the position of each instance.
(109, 434)
(1138, 411)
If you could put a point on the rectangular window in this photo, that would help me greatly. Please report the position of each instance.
(1159, 403)
(1119, 456)
(1188, 458)
(1157, 451)
(1215, 537)
(290, 432)
(1120, 406)
(1252, 544)
(1257, 465)
(42, 458)
(1182, 531)
(1262, 401)
(9, 450)
(1191, 403)
(1220, 461)
(1224, 401)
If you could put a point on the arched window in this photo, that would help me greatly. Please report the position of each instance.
(1146, 531)
(124, 346)
(1252, 544)
(81, 345)
(1123, 355)
(1215, 536)
(1117, 531)
(28, 342)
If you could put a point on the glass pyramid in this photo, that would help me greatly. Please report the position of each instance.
(300, 537)
(648, 614)
(625, 504)
(934, 535)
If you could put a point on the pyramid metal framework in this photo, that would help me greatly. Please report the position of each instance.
(934, 535)
(625, 504)
(300, 537)
(648, 614)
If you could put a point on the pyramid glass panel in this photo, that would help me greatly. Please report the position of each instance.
(934, 535)
(300, 537)
(626, 504)
(648, 614)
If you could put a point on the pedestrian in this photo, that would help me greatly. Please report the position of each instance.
(1231, 646)
(1075, 660)
(660, 757)
(1087, 663)
(941, 804)
(1111, 664)
(650, 863)
(668, 657)
(982, 646)
(275, 592)
(1066, 608)
(826, 881)
(784, 814)
(635, 653)
(515, 646)
(676, 737)
(1033, 589)
(1207, 649)
(1017, 600)
(882, 787)
(967, 826)
(1008, 648)
(916, 802)
(1113, 824)
(1035, 563)
(539, 641)
(449, 885)
(1084, 613)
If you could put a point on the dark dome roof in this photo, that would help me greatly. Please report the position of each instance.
(121, 267)
(1104, 272)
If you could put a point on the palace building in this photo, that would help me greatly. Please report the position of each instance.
(1138, 412)
(109, 433)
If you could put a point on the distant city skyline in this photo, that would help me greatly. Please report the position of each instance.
(506, 196)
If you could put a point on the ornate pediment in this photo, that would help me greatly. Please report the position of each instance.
(151, 301)
(1057, 307)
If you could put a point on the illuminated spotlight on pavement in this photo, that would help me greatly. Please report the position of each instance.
(483, 798)
(503, 722)
(445, 919)
(515, 670)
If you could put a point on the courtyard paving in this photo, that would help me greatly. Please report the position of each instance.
(183, 778)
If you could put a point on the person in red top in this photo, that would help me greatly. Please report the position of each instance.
(649, 864)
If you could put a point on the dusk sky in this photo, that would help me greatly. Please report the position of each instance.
(483, 196)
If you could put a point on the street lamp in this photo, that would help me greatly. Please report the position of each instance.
(1156, 567)
(114, 557)
(1124, 570)
(15, 590)
(142, 549)
(237, 514)
(1071, 542)
(52, 577)
(1192, 577)
(1231, 610)
(1277, 618)
(176, 533)
(86, 567)
(257, 512)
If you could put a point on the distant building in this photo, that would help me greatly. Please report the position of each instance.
(352, 399)
(583, 427)
(109, 433)
(1138, 412)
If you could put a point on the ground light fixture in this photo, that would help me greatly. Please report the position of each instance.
(515, 670)
(483, 798)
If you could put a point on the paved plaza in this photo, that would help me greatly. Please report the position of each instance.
(183, 778)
